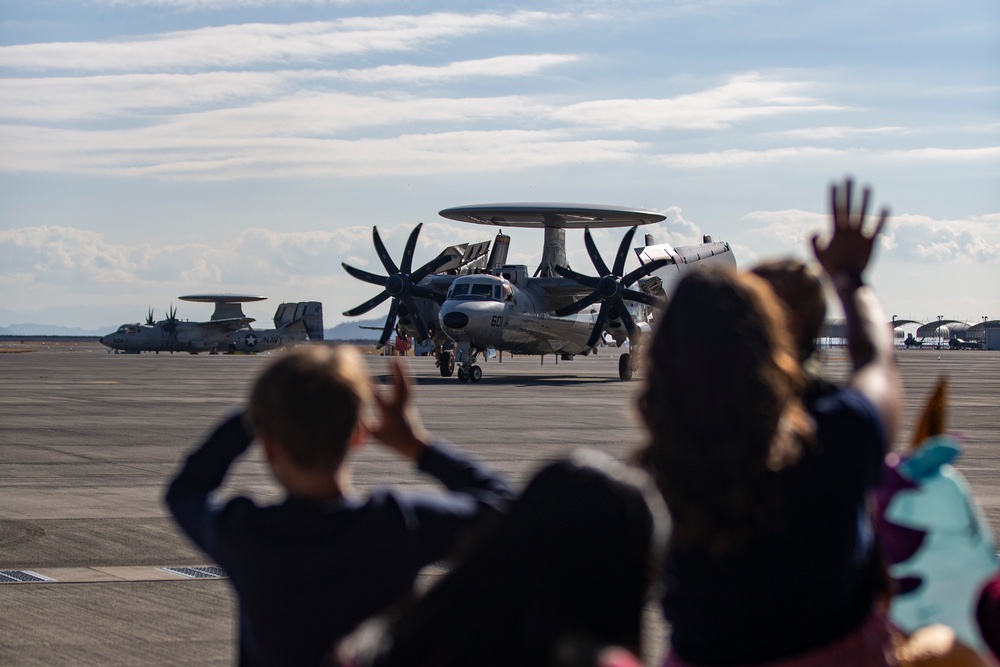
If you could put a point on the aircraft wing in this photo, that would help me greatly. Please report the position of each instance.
(556, 286)
(438, 282)
(227, 324)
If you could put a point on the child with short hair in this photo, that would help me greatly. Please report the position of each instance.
(307, 570)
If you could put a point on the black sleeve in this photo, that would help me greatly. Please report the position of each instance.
(188, 495)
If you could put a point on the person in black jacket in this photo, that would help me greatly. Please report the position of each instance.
(307, 570)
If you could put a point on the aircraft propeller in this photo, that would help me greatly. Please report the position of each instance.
(611, 288)
(149, 316)
(401, 285)
(170, 324)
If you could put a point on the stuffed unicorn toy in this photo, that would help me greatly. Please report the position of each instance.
(938, 547)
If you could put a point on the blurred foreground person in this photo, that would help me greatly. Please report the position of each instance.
(309, 569)
(561, 580)
(800, 290)
(772, 557)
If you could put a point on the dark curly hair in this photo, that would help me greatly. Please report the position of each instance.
(722, 406)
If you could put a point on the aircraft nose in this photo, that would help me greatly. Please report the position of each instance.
(455, 320)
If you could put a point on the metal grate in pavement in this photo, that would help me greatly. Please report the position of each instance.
(20, 576)
(207, 572)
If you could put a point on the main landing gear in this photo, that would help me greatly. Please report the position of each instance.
(446, 364)
(628, 364)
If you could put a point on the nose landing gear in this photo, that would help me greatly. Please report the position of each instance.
(468, 370)
(473, 373)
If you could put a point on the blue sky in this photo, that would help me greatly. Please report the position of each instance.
(153, 148)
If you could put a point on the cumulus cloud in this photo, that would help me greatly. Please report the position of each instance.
(974, 240)
(908, 237)
(291, 265)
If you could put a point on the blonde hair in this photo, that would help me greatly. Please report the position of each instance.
(310, 401)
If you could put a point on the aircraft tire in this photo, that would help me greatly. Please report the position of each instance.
(625, 367)
(447, 364)
(463, 375)
(475, 373)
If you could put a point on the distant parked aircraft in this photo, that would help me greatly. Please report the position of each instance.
(228, 330)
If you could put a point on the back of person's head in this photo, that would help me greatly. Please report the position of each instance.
(801, 291)
(309, 401)
(722, 405)
(571, 566)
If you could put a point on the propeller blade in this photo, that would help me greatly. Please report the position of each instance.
(418, 321)
(622, 254)
(411, 244)
(364, 275)
(368, 305)
(595, 255)
(642, 297)
(425, 293)
(588, 281)
(602, 319)
(383, 254)
(644, 270)
(429, 268)
(390, 322)
(579, 305)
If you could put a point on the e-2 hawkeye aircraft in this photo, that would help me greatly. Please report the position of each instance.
(463, 312)
(229, 330)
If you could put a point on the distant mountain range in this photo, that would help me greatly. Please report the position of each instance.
(343, 331)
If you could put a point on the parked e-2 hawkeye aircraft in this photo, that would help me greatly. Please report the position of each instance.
(463, 304)
(229, 330)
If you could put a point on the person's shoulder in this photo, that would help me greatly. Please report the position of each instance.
(836, 400)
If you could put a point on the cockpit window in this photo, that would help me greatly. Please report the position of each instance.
(488, 290)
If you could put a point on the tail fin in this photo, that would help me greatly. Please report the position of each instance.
(310, 312)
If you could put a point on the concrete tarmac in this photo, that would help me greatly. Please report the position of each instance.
(89, 440)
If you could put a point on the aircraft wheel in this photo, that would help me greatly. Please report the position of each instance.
(463, 374)
(447, 364)
(625, 367)
(475, 373)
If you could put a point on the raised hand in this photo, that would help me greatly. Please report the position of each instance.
(399, 424)
(850, 248)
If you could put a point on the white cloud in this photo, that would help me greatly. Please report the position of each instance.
(744, 158)
(219, 5)
(270, 44)
(907, 237)
(149, 152)
(786, 231)
(919, 238)
(44, 100)
(843, 132)
(741, 98)
(500, 66)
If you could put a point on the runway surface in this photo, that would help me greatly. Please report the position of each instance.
(89, 440)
